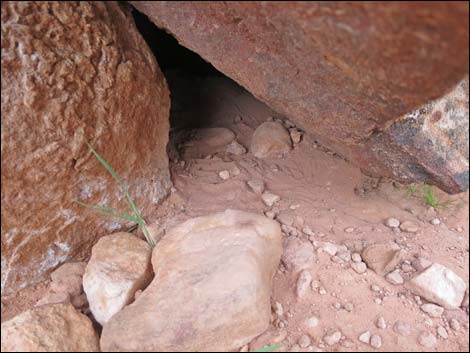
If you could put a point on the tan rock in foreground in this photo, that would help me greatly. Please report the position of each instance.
(118, 267)
(49, 328)
(211, 290)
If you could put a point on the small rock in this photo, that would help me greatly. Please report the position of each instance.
(235, 148)
(381, 323)
(378, 301)
(435, 221)
(382, 258)
(375, 288)
(315, 284)
(402, 328)
(394, 278)
(356, 257)
(365, 337)
(440, 285)
(49, 328)
(332, 338)
(349, 230)
(270, 139)
(322, 290)
(407, 268)
(298, 255)
(303, 283)
(279, 310)
(304, 341)
(427, 339)
(432, 310)
(118, 267)
(409, 227)
(269, 198)
(224, 175)
(256, 185)
(359, 267)
(442, 332)
(392, 222)
(420, 263)
(295, 135)
(308, 231)
(454, 324)
(345, 256)
(349, 307)
(376, 341)
(310, 324)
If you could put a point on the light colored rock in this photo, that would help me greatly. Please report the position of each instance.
(403, 328)
(409, 227)
(440, 285)
(330, 248)
(376, 341)
(269, 338)
(432, 310)
(359, 267)
(394, 278)
(278, 309)
(382, 258)
(295, 135)
(49, 328)
(269, 140)
(235, 148)
(310, 325)
(256, 185)
(298, 255)
(332, 338)
(420, 263)
(269, 198)
(63, 85)
(211, 290)
(224, 175)
(118, 267)
(442, 332)
(365, 337)
(356, 257)
(427, 339)
(392, 222)
(381, 323)
(435, 221)
(303, 283)
(454, 324)
(308, 231)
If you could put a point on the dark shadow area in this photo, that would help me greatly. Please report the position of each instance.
(185, 72)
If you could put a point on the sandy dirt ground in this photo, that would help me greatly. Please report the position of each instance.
(322, 191)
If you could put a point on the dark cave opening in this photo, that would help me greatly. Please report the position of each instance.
(185, 72)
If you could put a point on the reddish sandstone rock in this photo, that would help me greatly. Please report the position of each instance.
(73, 72)
(356, 75)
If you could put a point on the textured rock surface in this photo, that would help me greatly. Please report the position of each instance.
(382, 258)
(438, 284)
(50, 328)
(119, 266)
(73, 72)
(346, 72)
(211, 290)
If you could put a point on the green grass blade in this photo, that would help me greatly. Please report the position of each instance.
(104, 210)
(129, 201)
(270, 348)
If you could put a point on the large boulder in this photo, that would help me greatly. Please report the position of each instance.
(211, 290)
(50, 328)
(119, 266)
(356, 75)
(71, 73)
